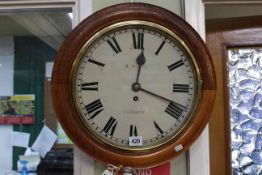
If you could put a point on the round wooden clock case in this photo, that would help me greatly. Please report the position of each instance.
(133, 71)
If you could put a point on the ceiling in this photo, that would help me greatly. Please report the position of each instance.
(53, 26)
(50, 27)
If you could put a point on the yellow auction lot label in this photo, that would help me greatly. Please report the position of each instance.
(22, 97)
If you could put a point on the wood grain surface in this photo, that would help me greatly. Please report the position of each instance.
(61, 87)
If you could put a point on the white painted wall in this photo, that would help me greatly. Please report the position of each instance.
(199, 151)
(6, 88)
(194, 14)
(172, 5)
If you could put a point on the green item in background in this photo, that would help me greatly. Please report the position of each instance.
(31, 55)
(61, 136)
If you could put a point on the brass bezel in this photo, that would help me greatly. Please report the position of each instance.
(154, 26)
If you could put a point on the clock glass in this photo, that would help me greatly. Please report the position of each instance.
(135, 79)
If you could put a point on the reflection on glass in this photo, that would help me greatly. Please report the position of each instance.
(50, 27)
(28, 41)
(245, 83)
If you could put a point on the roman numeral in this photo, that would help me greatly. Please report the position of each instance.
(92, 86)
(138, 40)
(94, 108)
(158, 128)
(96, 62)
(175, 110)
(175, 65)
(133, 131)
(114, 45)
(110, 126)
(160, 47)
(184, 88)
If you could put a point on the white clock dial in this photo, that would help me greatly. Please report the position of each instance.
(135, 80)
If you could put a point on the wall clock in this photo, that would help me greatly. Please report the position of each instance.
(133, 85)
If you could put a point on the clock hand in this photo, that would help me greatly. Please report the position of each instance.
(137, 87)
(156, 95)
(140, 61)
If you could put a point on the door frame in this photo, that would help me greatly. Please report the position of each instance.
(222, 35)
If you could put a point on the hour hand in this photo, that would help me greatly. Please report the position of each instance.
(141, 58)
(140, 61)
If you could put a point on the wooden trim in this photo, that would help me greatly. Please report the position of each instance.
(221, 2)
(231, 24)
(226, 108)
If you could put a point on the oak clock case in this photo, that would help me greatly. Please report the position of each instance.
(133, 70)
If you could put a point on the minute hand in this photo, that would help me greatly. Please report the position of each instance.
(163, 98)
(156, 95)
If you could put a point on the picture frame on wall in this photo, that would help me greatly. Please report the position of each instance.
(17, 109)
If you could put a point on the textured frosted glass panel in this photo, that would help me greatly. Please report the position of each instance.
(245, 83)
